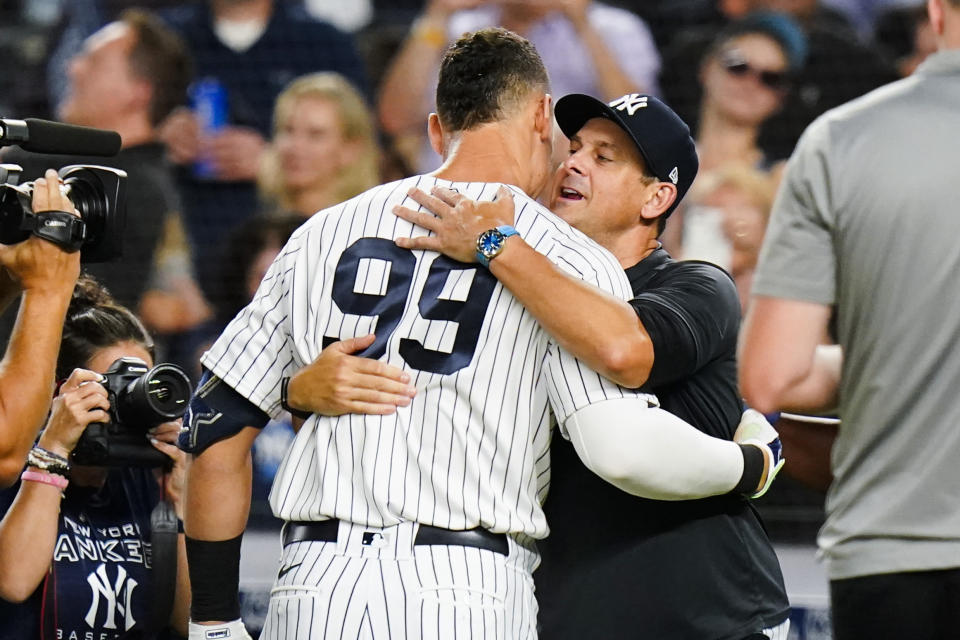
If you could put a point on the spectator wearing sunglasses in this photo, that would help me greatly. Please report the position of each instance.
(837, 68)
(745, 76)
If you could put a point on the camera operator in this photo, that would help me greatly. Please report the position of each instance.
(75, 545)
(45, 274)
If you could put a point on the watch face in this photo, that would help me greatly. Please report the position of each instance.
(490, 243)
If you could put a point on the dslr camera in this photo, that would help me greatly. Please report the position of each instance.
(141, 398)
(98, 193)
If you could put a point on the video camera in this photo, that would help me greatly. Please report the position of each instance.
(140, 398)
(98, 193)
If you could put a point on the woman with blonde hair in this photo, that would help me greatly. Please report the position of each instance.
(324, 148)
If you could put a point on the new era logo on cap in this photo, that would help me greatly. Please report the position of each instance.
(674, 175)
(630, 103)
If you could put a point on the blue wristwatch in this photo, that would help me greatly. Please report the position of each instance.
(490, 243)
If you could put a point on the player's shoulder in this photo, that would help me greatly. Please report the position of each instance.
(366, 215)
(536, 222)
(377, 201)
(532, 216)
(569, 248)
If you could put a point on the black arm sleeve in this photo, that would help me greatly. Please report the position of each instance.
(216, 412)
(692, 313)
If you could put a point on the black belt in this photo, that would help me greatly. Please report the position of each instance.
(326, 531)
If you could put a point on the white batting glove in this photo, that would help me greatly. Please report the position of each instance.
(220, 631)
(754, 429)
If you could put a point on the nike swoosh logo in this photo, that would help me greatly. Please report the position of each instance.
(285, 570)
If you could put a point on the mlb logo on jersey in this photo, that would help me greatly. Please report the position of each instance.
(372, 539)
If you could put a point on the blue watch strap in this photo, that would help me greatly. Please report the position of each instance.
(482, 259)
(504, 231)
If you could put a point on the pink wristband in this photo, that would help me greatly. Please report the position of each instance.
(46, 478)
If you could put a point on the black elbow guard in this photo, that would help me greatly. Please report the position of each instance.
(216, 412)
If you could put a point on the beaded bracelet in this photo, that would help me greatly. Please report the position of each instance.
(48, 455)
(46, 478)
(48, 461)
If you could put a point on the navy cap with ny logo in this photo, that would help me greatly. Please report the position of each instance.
(661, 136)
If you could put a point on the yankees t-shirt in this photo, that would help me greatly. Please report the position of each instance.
(99, 586)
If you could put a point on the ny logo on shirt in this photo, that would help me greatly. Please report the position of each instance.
(116, 597)
(631, 102)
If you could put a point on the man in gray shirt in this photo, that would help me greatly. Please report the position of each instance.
(866, 225)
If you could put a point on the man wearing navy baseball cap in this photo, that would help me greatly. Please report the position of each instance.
(661, 137)
(615, 565)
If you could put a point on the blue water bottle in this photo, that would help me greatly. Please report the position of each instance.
(209, 99)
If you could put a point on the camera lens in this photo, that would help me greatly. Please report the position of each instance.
(99, 195)
(160, 395)
(86, 197)
(168, 390)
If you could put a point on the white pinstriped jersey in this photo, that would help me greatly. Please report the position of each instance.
(472, 447)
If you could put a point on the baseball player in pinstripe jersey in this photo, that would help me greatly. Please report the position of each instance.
(652, 569)
(420, 523)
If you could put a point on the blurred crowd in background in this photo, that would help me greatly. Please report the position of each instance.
(240, 118)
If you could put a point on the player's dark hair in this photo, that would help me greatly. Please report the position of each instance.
(484, 75)
(160, 57)
(95, 321)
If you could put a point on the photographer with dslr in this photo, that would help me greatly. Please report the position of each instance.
(76, 557)
(44, 274)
